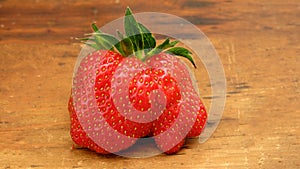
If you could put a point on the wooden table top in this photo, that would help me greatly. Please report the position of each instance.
(258, 44)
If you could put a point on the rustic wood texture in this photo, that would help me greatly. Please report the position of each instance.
(258, 43)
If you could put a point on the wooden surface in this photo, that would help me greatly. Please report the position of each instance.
(258, 44)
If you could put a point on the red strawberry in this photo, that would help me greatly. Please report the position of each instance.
(117, 99)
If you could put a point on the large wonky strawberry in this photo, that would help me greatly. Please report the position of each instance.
(133, 88)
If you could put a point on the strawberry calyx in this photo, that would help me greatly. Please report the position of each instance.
(137, 41)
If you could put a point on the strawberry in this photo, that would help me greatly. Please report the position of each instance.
(132, 88)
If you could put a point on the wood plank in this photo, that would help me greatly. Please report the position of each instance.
(258, 43)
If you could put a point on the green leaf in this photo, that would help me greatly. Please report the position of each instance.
(105, 41)
(132, 30)
(140, 36)
(180, 51)
(165, 45)
(172, 44)
(95, 28)
(93, 45)
(149, 41)
(125, 47)
(86, 39)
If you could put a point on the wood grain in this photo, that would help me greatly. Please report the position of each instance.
(258, 43)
